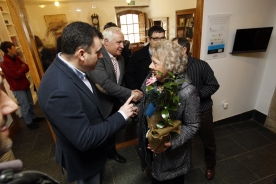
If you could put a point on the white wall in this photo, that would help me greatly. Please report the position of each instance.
(269, 78)
(243, 77)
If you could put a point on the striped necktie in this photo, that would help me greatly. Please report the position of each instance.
(114, 62)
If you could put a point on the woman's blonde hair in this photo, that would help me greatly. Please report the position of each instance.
(171, 56)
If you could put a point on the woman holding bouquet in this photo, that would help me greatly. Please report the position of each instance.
(170, 164)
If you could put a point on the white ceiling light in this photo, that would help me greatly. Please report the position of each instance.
(78, 10)
(57, 3)
(128, 1)
(42, 6)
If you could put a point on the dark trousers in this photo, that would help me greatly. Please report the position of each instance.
(111, 140)
(95, 179)
(206, 133)
(177, 180)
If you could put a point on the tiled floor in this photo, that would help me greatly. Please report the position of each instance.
(246, 153)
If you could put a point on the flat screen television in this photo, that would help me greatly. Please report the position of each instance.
(251, 40)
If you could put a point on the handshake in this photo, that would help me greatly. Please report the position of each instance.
(137, 95)
(129, 108)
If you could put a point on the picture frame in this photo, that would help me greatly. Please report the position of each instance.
(181, 22)
(55, 20)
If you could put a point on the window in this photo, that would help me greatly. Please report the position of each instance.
(132, 24)
(130, 27)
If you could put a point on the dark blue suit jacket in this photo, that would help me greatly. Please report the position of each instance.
(76, 118)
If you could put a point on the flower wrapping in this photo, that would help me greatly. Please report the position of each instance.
(158, 137)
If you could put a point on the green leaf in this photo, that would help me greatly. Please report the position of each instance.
(160, 124)
(175, 99)
(170, 122)
(165, 114)
(171, 74)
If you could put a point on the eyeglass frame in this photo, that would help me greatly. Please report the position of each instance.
(157, 39)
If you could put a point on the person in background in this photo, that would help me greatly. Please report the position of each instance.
(170, 165)
(126, 51)
(108, 78)
(203, 79)
(15, 71)
(45, 54)
(70, 102)
(58, 44)
(138, 66)
(110, 24)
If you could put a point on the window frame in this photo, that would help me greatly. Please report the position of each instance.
(125, 12)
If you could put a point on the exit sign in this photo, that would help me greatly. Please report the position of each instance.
(131, 3)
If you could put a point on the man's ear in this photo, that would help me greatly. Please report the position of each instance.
(105, 42)
(185, 50)
(80, 54)
(148, 39)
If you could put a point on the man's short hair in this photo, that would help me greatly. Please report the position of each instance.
(108, 33)
(5, 46)
(155, 29)
(109, 24)
(184, 43)
(78, 35)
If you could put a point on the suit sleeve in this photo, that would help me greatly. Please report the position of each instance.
(73, 123)
(210, 82)
(102, 81)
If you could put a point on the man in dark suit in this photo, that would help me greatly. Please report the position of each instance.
(108, 77)
(204, 80)
(71, 105)
(138, 65)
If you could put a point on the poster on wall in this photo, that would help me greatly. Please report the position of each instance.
(217, 30)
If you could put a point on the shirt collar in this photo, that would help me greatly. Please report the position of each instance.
(150, 52)
(77, 71)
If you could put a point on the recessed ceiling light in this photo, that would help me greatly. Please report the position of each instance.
(78, 10)
(93, 6)
(42, 6)
(56, 3)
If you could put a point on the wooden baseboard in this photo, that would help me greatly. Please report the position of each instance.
(127, 144)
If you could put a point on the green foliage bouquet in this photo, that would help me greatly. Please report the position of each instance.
(165, 99)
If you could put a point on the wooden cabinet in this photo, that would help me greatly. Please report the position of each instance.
(185, 24)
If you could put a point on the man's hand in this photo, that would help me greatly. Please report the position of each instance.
(137, 95)
(129, 109)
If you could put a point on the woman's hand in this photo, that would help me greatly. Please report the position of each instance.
(167, 145)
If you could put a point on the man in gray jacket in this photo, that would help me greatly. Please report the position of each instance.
(108, 78)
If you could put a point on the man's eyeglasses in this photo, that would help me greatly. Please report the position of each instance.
(158, 39)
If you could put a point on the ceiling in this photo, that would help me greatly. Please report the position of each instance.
(38, 2)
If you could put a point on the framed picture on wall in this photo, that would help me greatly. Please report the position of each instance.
(181, 22)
